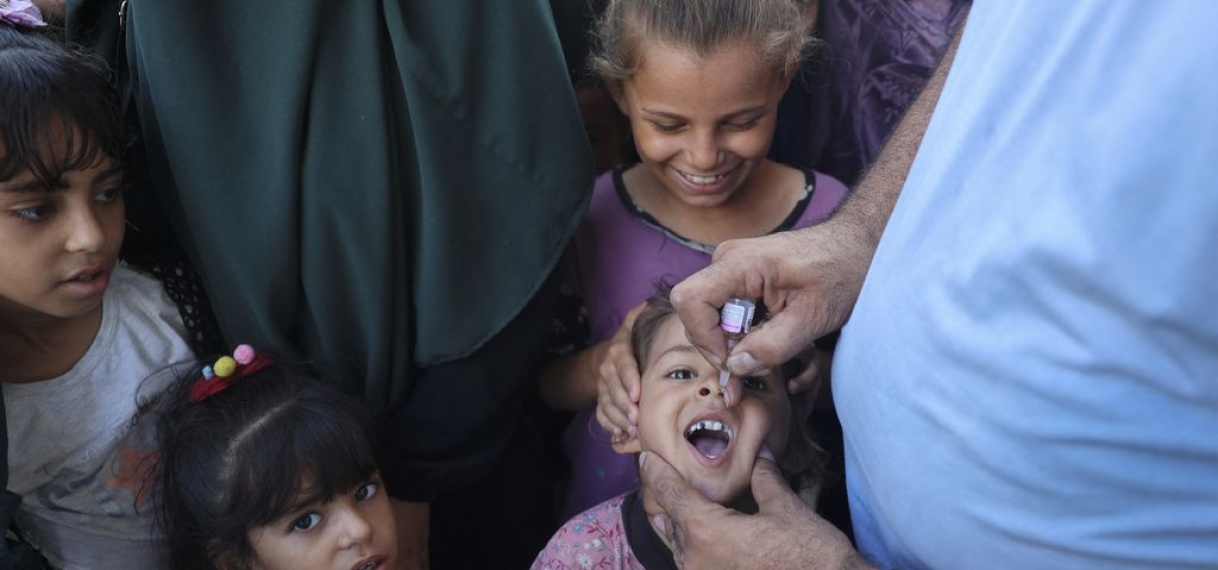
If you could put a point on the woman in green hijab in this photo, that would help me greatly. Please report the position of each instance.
(387, 183)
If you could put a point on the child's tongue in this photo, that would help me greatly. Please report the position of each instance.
(709, 445)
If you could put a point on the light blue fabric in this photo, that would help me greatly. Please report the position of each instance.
(1030, 377)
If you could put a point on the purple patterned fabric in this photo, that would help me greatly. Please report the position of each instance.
(876, 56)
(21, 13)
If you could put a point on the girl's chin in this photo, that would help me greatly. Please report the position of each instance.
(720, 492)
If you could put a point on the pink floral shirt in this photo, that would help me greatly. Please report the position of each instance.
(595, 538)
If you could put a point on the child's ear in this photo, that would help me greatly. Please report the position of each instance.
(628, 445)
(617, 91)
(225, 561)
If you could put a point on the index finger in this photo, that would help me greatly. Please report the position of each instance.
(697, 300)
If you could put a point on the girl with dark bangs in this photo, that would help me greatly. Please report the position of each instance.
(263, 466)
(79, 330)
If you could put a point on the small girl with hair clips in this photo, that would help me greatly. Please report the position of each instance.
(80, 333)
(684, 419)
(263, 466)
(700, 81)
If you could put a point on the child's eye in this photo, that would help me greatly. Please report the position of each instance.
(109, 195)
(306, 522)
(33, 213)
(666, 127)
(755, 383)
(367, 491)
(680, 374)
(742, 125)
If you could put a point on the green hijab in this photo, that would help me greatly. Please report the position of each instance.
(382, 182)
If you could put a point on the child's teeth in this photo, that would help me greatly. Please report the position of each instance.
(710, 425)
(702, 179)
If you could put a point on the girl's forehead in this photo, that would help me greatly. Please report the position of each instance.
(669, 336)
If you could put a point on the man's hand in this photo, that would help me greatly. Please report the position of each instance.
(808, 279)
(785, 533)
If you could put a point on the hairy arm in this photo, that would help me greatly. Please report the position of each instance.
(809, 278)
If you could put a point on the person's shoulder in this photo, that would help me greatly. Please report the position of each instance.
(145, 305)
(609, 185)
(128, 279)
(827, 193)
(610, 205)
(595, 538)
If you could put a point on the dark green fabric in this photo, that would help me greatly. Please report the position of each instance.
(385, 183)
(336, 163)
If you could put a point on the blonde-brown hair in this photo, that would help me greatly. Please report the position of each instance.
(781, 29)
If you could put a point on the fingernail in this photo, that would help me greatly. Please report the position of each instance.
(658, 522)
(642, 458)
(727, 398)
(792, 387)
(766, 452)
(742, 363)
(633, 431)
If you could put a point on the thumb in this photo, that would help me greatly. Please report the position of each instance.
(770, 489)
(674, 496)
(785, 336)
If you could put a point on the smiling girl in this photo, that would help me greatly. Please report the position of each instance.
(700, 81)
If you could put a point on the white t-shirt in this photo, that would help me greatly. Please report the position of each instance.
(1030, 376)
(75, 456)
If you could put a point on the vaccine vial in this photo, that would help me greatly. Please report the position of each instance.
(735, 320)
(736, 317)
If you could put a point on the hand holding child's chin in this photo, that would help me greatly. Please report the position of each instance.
(785, 532)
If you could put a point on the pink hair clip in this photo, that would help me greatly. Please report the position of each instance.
(21, 14)
(227, 369)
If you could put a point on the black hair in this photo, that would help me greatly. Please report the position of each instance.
(238, 459)
(803, 463)
(59, 110)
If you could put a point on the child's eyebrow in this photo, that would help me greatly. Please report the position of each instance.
(37, 187)
(733, 114)
(680, 348)
(107, 174)
(31, 187)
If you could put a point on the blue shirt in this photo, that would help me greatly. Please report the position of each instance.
(1030, 376)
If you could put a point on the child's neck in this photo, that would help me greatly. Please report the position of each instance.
(756, 209)
(37, 347)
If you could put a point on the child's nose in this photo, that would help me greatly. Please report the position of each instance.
(704, 152)
(87, 232)
(356, 529)
(710, 388)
